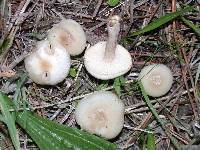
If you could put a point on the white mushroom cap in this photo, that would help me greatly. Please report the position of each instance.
(101, 113)
(102, 69)
(70, 35)
(156, 79)
(107, 60)
(48, 64)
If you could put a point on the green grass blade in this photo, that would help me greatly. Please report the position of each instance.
(117, 86)
(161, 21)
(141, 142)
(151, 144)
(17, 96)
(155, 114)
(9, 120)
(4, 45)
(191, 25)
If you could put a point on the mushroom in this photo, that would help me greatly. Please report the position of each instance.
(70, 35)
(107, 60)
(101, 113)
(156, 79)
(49, 64)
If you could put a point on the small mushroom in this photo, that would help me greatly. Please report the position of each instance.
(101, 113)
(107, 60)
(49, 64)
(70, 35)
(156, 79)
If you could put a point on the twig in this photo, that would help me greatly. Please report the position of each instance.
(184, 72)
(97, 8)
(83, 15)
(137, 129)
(67, 115)
(16, 61)
(9, 73)
(97, 26)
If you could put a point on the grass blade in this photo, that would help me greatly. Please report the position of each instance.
(4, 45)
(155, 114)
(117, 86)
(191, 25)
(161, 21)
(17, 96)
(150, 142)
(9, 120)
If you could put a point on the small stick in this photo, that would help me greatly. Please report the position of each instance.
(16, 61)
(67, 115)
(97, 8)
(8, 74)
(83, 15)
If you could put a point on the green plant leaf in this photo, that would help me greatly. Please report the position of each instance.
(198, 93)
(151, 145)
(141, 141)
(191, 25)
(117, 86)
(113, 2)
(122, 80)
(4, 45)
(9, 120)
(72, 72)
(161, 21)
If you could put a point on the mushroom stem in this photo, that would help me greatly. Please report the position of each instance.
(113, 32)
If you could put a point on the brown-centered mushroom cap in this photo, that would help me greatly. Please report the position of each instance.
(101, 113)
(70, 35)
(48, 64)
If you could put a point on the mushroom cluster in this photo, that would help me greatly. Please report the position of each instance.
(101, 113)
(49, 64)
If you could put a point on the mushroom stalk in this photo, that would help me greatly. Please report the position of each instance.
(113, 32)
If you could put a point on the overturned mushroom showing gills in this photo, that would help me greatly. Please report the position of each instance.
(101, 113)
(48, 64)
(70, 35)
(156, 79)
(107, 60)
